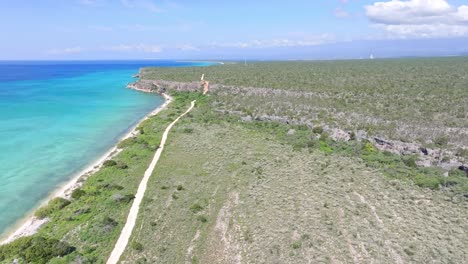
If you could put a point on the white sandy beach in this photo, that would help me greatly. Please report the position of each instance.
(29, 225)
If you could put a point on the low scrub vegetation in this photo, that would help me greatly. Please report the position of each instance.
(35, 250)
(269, 192)
(53, 206)
(420, 100)
(91, 221)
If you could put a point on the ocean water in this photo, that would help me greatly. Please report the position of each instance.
(56, 118)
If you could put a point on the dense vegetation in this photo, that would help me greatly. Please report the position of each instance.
(35, 249)
(409, 100)
(405, 99)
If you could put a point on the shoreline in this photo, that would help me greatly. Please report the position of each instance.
(29, 224)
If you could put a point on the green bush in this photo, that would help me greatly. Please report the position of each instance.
(53, 205)
(441, 141)
(202, 218)
(128, 142)
(123, 198)
(296, 245)
(77, 194)
(457, 173)
(109, 163)
(313, 144)
(195, 208)
(34, 249)
(137, 246)
(368, 147)
(110, 186)
(432, 182)
(317, 130)
(325, 147)
(410, 161)
(121, 165)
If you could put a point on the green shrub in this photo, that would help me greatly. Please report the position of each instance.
(324, 136)
(296, 245)
(432, 182)
(77, 194)
(110, 186)
(105, 225)
(410, 161)
(127, 142)
(368, 147)
(53, 205)
(180, 188)
(35, 249)
(202, 218)
(195, 208)
(317, 130)
(457, 173)
(109, 163)
(187, 130)
(121, 165)
(298, 146)
(441, 141)
(123, 198)
(137, 246)
(313, 144)
(323, 146)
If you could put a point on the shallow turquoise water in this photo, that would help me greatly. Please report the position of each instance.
(53, 127)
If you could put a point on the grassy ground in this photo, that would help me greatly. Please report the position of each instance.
(228, 192)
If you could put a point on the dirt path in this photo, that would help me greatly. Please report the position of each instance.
(133, 214)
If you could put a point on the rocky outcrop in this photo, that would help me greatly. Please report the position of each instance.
(464, 169)
(161, 86)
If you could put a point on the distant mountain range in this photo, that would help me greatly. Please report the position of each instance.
(361, 49)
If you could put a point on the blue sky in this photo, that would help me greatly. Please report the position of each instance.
(255, 29)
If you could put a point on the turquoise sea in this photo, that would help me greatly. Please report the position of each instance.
(56, 118)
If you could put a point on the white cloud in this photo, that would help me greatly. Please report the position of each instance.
(159, 28)
(135, 48)
(419, 18)
(187, 47)
(279, 42)
(71, 50)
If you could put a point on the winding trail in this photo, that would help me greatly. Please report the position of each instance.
(133, 214)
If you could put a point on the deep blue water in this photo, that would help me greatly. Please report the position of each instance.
(56, 118)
